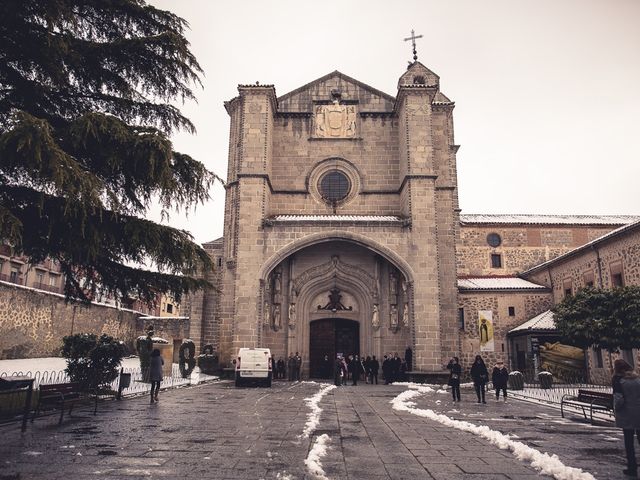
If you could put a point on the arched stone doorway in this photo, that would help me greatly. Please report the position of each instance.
(331, 336)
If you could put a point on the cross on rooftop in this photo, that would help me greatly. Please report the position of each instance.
(413, 38)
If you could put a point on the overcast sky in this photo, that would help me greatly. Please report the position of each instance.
(547, 92)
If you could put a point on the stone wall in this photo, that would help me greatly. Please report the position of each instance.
(33, 323)
(522, 247)
(526, 305)
(621, 255)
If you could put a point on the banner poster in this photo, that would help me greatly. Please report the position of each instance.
(485, 329)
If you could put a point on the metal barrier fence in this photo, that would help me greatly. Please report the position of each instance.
(12, 402)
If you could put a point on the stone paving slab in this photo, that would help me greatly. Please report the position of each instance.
(217, 431)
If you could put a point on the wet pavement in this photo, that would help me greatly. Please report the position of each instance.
(217, 431)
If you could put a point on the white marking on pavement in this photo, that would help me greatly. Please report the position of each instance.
(313, 418)
(543, 462)
(318, 451)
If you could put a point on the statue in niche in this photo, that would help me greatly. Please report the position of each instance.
(405, 315)
(267, 313)
(403, 284)
(393, 317)
(393, 284)
(292, 315)
(375, 317)
(277, 284)
(277, 321)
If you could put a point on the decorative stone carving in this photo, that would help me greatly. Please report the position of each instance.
(292, 316)
(277, 321)
(277, 287)
(393, 286)
(375, 317)
(405, 315)
(393, 318)
(255, 107)
(337, 268)
(335, 302)
(335, 121)
(267, 313)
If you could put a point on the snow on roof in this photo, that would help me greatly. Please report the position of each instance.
(336, 218)
(497, 283)
(544, 321)
(607, 236)
(548, 219)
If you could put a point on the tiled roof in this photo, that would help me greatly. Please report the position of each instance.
(336, 218)
(497, 283)
(576, 251)
(549, 219)
(544, 321)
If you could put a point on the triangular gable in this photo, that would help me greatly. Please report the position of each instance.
(301, 99)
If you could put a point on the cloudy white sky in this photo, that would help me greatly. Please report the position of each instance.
(547, 92)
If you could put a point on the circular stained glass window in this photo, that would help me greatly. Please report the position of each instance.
(494, 240)
(334, 186)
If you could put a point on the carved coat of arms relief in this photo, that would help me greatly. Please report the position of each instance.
(335, 121)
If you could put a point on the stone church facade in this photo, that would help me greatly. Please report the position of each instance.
(342, 232)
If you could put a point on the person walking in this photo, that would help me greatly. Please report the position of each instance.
(155, 373)
(480, 376)
(367, 369)
(337, 372)
(298, 366)
(291, 367)
(500, 378)
(374, 366)
(326, 367)
(280, 368)
(345, 370)
(455, 370)
(356, 370)
(386, 370)
(626, 407)
(396, 363)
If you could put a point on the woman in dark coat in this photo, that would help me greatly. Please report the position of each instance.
(455, 370)
(480, 376)
(500, 378)
(155, 373)
(626, 405)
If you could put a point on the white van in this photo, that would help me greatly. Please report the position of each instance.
(253, 365)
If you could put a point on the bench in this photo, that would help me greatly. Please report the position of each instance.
(58, 395)
(592, 399)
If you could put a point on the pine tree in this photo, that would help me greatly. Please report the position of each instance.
(85, 117)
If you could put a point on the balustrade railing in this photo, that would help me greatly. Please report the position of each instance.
(12, 402)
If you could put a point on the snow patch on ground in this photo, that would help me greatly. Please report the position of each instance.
(316, 453)
(543, 462)
(284, 476)
(313, 418)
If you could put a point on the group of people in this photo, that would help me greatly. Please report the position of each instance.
(293, 366)
(480, 377)
(355, 368)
